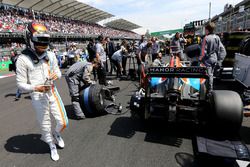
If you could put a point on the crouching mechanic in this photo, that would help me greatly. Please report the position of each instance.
(36, 70)
(117, 59)
(78, 76)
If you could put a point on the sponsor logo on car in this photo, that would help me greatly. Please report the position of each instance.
(164, 70)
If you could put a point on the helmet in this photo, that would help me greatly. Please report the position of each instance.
(37, 37)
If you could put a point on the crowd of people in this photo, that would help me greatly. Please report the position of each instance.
(6, 50)
(14, 19)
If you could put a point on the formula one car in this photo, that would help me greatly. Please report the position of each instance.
(179, 91)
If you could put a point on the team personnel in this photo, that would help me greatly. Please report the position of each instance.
(101, 57)
(110, 50)
(183, 42)
(213, 52)
(158, 60)
(91, 49)
(77, 76)
(14, 57)
(118, 57)
(72, 54)
(142, 40)
(144, 52)
(155, 48)
(92, 54)
(176, 45)
(36, 71)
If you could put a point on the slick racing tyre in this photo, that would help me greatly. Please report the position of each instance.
(227, 109)
(92, 100)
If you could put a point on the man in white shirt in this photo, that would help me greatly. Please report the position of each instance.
(101, 57)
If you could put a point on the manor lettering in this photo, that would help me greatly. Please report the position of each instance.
(158, 70)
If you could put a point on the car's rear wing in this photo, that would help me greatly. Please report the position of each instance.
(180, 72)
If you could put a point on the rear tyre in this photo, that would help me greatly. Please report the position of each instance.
(227, 109)
(92, 100)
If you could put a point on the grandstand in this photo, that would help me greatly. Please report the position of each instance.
(64, 18)
(122, 24)
(67, 21)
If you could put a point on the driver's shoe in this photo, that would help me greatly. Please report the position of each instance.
(58, 139)
(53, 152)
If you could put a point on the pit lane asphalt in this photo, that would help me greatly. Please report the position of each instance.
(105, 141)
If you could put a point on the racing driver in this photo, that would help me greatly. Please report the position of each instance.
(37, 69)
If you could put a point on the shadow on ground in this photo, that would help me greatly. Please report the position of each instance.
(22, 96)
(28, 144)
(156, 131)
(10, 94)
(189, 160)
(160, 132)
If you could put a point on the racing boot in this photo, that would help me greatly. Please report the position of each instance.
(53, 152)
(58, 139)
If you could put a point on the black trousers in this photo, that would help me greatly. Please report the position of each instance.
(154, 56)
(124, 63)
(101, 73)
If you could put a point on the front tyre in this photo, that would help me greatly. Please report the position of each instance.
(227, 110)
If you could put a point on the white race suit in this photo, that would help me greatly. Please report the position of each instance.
(30, 74)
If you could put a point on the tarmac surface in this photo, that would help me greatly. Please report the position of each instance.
(105, 141)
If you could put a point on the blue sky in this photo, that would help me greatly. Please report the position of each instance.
(159, 15)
